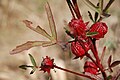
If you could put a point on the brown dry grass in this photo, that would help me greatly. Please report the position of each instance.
(14, 32)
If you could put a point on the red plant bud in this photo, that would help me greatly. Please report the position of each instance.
(47, 64)
(99, 27)
(78, 50)
(77, 27)
(90, 67)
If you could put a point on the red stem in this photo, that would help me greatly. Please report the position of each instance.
(70, 7)
(83, 75)
(95, 52)
(76, 9)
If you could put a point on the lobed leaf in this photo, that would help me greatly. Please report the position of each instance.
(29, 45)
(51, 21)
(38, 29)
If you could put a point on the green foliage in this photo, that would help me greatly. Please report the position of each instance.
(91, 33)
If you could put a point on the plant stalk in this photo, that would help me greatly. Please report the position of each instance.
(95, 52)
(83, 75)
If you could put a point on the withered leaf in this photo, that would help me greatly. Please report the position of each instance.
(38, 29)
(51, 21)
(28, 45)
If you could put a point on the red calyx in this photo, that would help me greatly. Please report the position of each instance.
(77, 27)
(90, 67)
(79, 50)
(99, 27)
(47, 64)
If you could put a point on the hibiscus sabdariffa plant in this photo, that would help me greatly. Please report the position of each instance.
(84, 39)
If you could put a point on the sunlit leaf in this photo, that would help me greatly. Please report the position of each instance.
(51, 21)
(29, 45)
(32, 60)
(38, 29)
(92, 33)
(115, 63)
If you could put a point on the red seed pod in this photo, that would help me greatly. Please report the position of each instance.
(90, 67)
(77, 27)
(99, 27)
(79, 50)
(47, 64)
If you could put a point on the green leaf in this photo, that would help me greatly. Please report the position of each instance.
(68, 32)
(96, 16)
(91, 33)
(51, 21)
(32, 60)
(32, 71)
(25, 67)
(90, 16)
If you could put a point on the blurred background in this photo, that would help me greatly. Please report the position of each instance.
(13, 32)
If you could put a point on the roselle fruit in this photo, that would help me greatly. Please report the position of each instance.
(99, 27)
